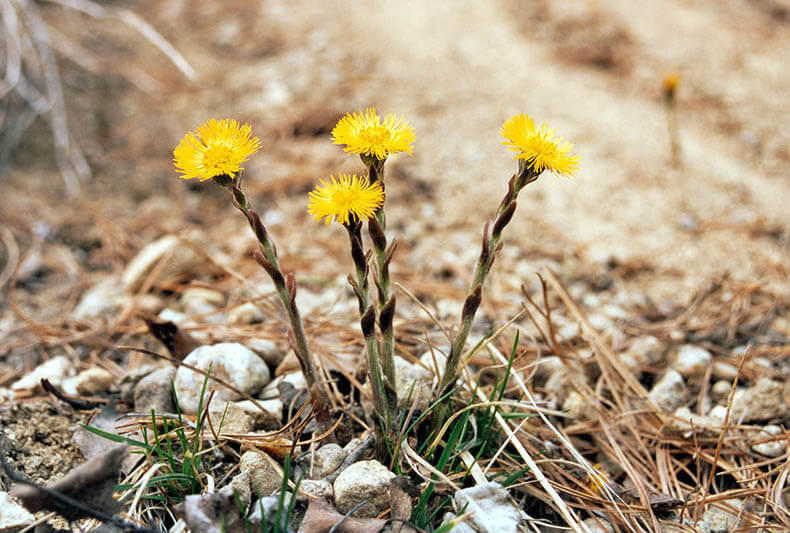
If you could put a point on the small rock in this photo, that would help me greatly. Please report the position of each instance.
(130, 380)
(241, 487)
(155, 391)
(268, 419)
(719, 412)
(327, 459)
(297, 379)
(763, 401)
(176, 317)
(93, 381)
(289, 364)
(774, 448)
(322, 303)
(687, 424)
(561, 382)
(721, 521)
(720, 390)
(268, 349)
(690, 360)
(435, 361)
(265, 511)
(315, 489)
(577, 407)
(646, 351)
(228, 417)
(363, 481)
(231, 362)
(105, 298)
(600, 322)
(669, 392)
(264, 478)
(244, 314)
(148, 303)
(724, 370)
(598, 525)
(180, 254)
(13, 516)
(54, 370)
(569, 331)
(201, 301)
(490, 507)
(413, 383)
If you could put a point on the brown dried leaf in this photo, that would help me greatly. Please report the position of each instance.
(321, 517)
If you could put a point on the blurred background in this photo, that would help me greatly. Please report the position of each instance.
(97, 94)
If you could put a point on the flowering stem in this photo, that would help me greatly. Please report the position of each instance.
(376, 227)
(286, 287)
(368, 319)
(491, 245)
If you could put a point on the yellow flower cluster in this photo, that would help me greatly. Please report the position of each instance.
(350, 196)
(218, 148)
(538, 147)
(368, 134)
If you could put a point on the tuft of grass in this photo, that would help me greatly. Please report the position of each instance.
(473, 431)
(176, 448)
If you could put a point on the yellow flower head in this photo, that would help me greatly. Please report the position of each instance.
(671, 81)
(538, 147)
(368, 134)
(346, 198)
(218, 148)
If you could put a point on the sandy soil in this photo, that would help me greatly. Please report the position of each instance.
(457, 70)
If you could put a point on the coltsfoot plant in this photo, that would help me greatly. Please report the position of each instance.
(219, 148)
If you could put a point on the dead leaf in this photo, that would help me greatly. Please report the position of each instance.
(85, 492)
(177, 341)
(321, 517)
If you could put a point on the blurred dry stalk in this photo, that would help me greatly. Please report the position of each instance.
(31, 84)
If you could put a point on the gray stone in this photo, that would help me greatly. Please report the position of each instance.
(201, 301)
(130, 380)
(229, 417)
(413, 383)
(644, 351)
(268, 349)
(54, 370)
(490, 506)
(724, 370)
(327, 459)
(231, 362)
(774, 448)
(763, 401)
(244, 314)
(12, 515)
(264, 478)
(268, 419)
(93, 381)
(721, 521)
(720, 390)
(265, 511)
(315, 489)
(105, 298)
(669, 392)
(241, 487)
(363, 481)
(181, 255)
(577, 407)
(155, 391)
(688, 424)
(690, 360)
